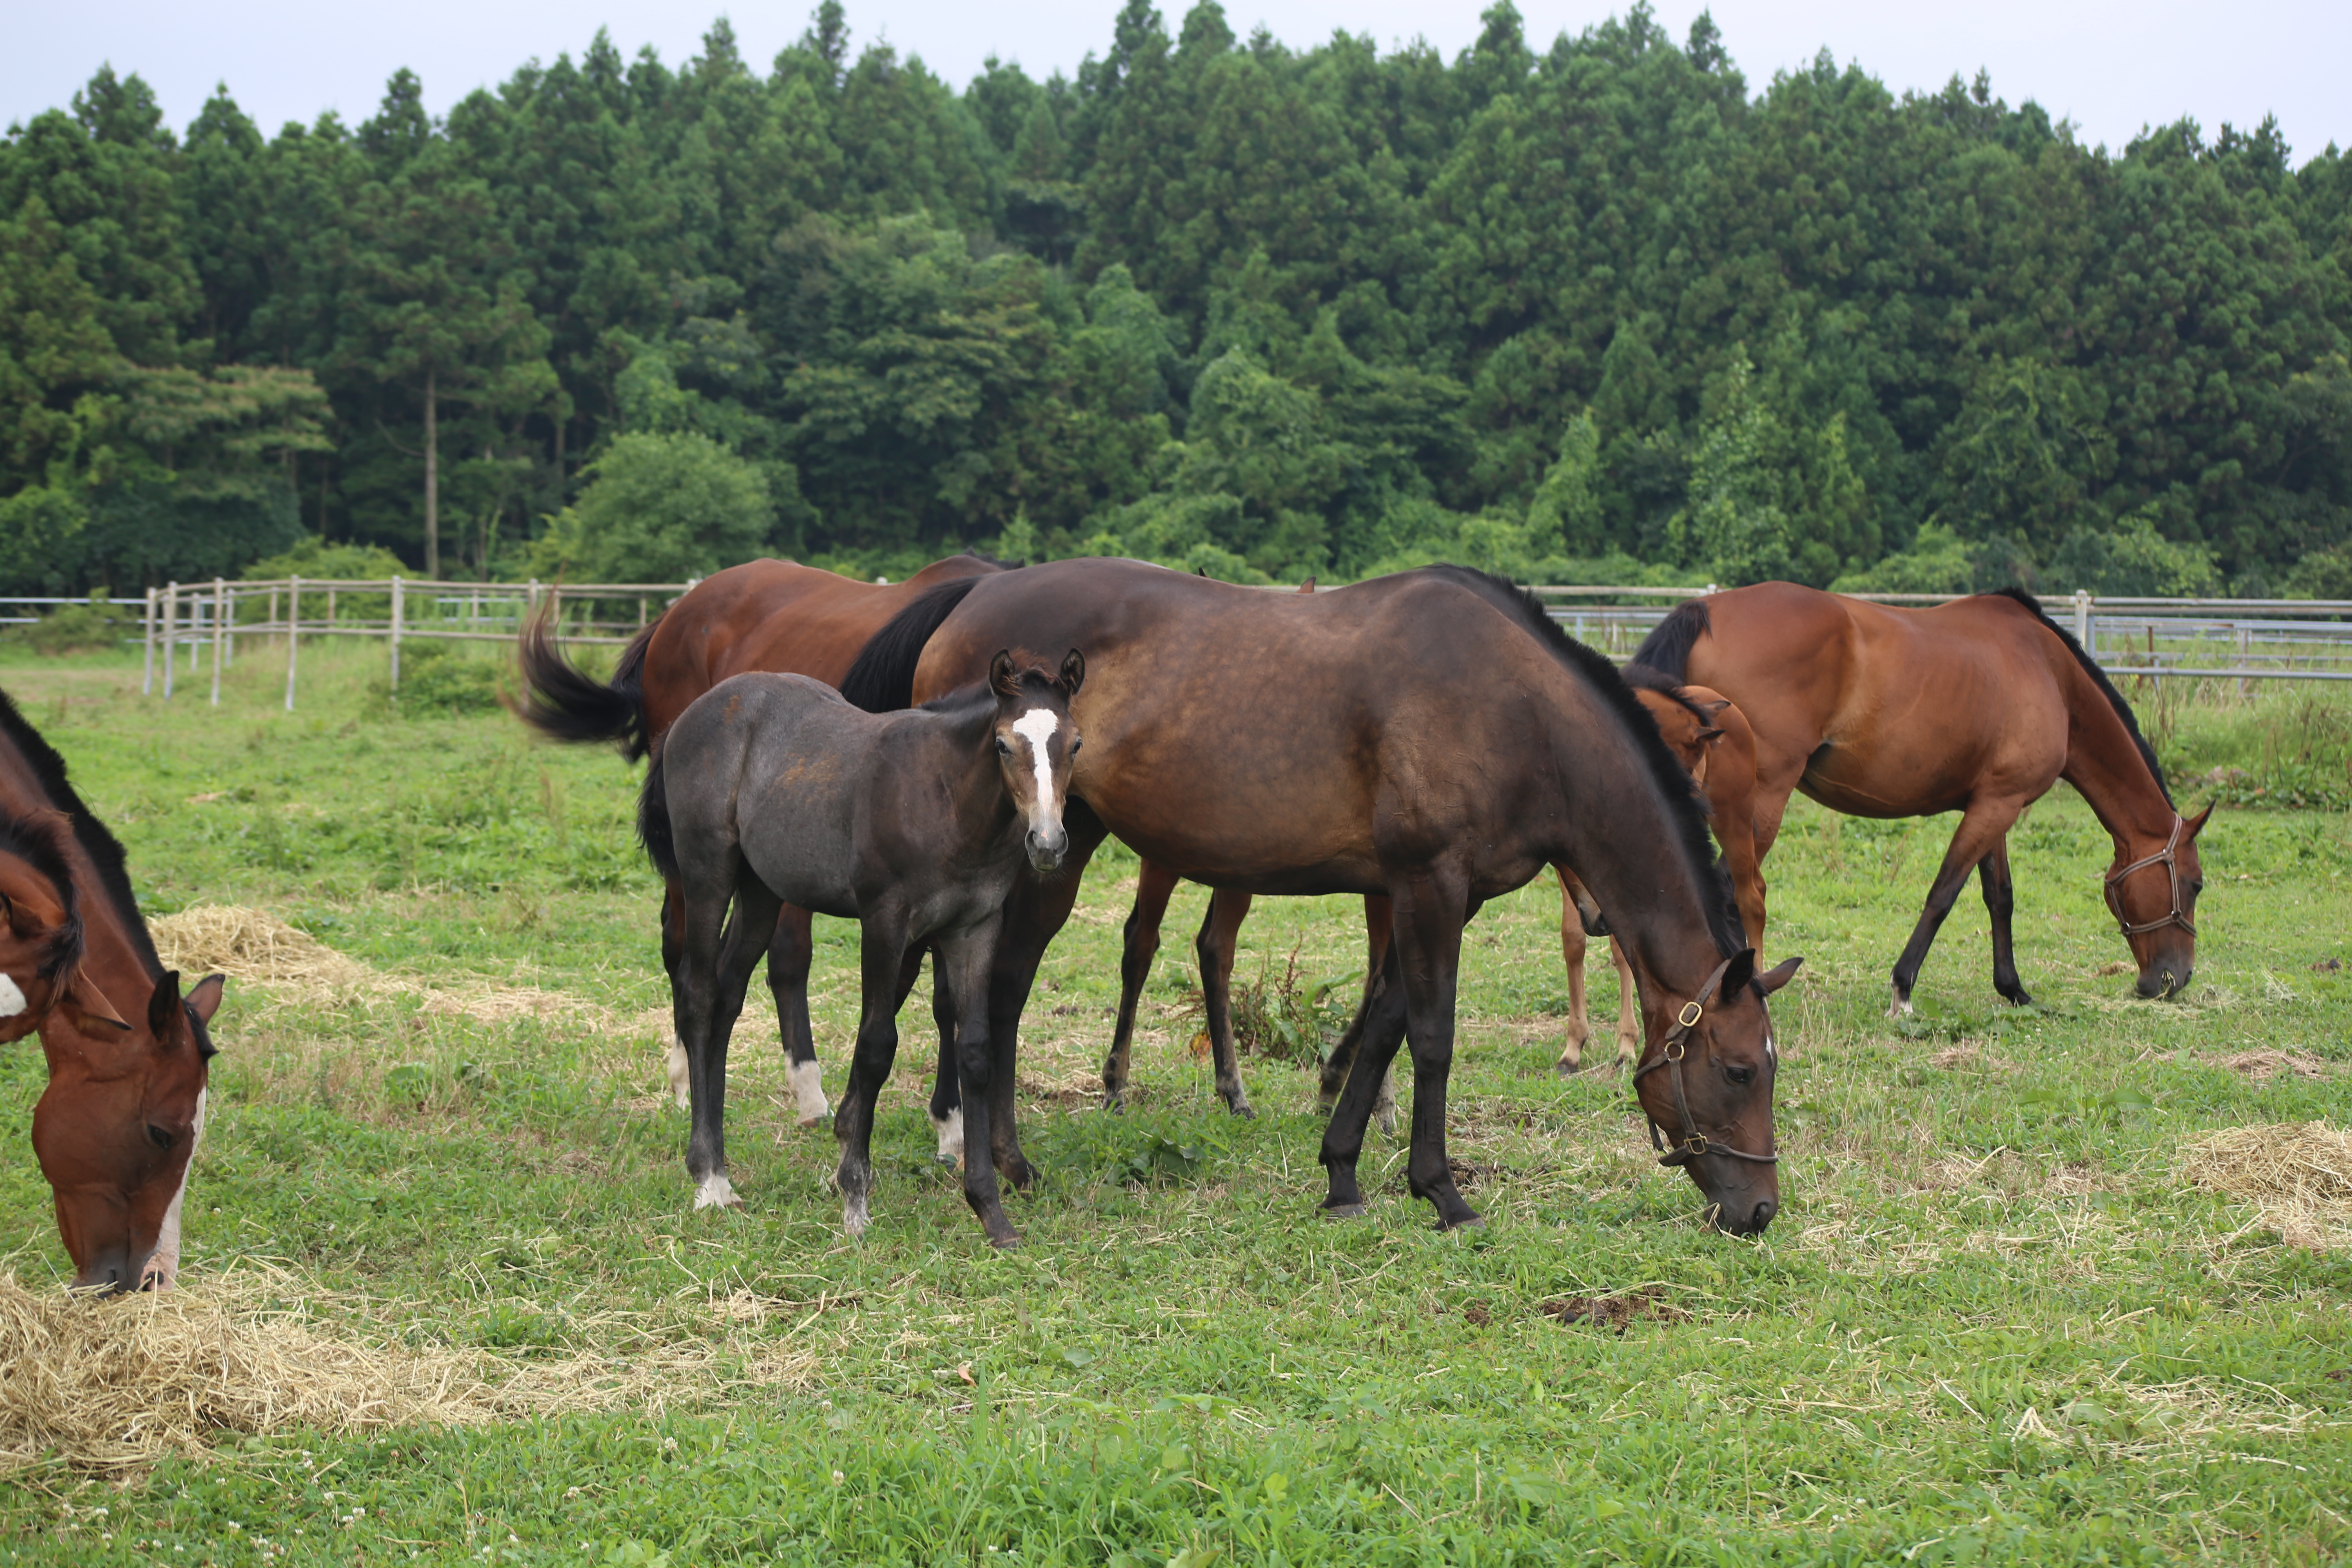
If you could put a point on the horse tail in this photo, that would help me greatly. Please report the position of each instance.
(1668, 648)
(560, 701)
(882, 678)
(653, 822)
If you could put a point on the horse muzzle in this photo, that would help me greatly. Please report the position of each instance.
(2161, 982)
(112, 1272)
(1046, 850)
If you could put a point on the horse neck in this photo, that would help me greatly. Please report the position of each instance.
(967, 741)
(2106, 768)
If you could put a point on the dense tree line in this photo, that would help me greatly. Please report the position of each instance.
(1593, 307)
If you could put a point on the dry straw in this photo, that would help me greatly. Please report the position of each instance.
(2298, 1175)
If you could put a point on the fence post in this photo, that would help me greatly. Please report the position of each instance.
(229, 601)
(220, 596)
(147, 686)
(395, 634)
(170, 606)
(2083, 619)
(293, 631)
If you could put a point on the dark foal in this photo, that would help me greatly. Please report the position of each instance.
(770, 789)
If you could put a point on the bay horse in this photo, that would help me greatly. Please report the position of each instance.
(777, 616)
(129, 1057)
(1977, 706)
(770, 788)
(1433, 736)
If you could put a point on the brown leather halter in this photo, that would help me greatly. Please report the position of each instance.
(1670, 1052)
(2166, 857)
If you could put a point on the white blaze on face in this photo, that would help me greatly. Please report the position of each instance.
(163, 1263)
(12, 1000)
(1037, 727)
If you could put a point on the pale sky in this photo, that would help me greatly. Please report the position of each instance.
(2110, 68)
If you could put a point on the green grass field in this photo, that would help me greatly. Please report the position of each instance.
(1994, 1323)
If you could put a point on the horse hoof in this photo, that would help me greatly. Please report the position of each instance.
(1241, 1108)
(1006, 1242)
(716, 1192)
(1343, 1211)
(1115, 1103)
(1016, 1174)
(1566, 1068)
(1470, 1220)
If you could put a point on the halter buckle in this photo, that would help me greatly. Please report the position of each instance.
(1689, 1017)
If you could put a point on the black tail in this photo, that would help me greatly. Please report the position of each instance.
(558, 700)
(653, 822)
(882, 678)
(1668, 648)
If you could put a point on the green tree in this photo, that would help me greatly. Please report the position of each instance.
(659, 507)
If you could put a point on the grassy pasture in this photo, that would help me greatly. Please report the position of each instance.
(1995, 1322)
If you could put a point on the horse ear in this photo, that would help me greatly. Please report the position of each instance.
(205, 998)
(2197, 823)
(1780, 974)
(1740, 971)
(1074, 671)
(1709, 736)
(1308, 587)
(87, 1006)
(1710, 710)
(163, 1006)
(999, 674)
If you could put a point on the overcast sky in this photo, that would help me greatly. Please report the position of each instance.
(2111, 68)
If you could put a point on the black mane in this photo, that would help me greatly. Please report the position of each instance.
(1667, 647)
(882, 680)
(106, 857)
(2098, 677)
(1673, 784)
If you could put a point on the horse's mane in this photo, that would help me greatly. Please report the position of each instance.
(1648, 678)
(2098, 677)
(34, 841)
(1673, 783)
(105, 852)
(1667, 647)
(882, 680)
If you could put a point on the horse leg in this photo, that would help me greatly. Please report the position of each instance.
(966, 958)
(1034, 913)
(1629, 1007)
(1571, 954)
(674, 1063)
(694, 989)
(1154, 886)
(1984, 825)
(788, 972)
(1379, 1029)
(1377, 920)
(2000, 902)
(1430, 918)
(1220, 928)
(947, 1087)
(882, 950)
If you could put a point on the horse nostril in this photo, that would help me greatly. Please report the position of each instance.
(1763, 1216)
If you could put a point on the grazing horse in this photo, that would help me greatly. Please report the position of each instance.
(771, 615)
(1432, 736)
(119, 1121)
(1977, 706)
(770, 788)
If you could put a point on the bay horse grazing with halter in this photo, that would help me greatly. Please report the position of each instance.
(1977, 706)
(776, 617)
(1431, 736)
(117, 1125)
(772, 789)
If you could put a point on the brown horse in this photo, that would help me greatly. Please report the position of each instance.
(1977, 706)
(1707, 735)
(771, 616)
(1432, 736)
(117, 1124)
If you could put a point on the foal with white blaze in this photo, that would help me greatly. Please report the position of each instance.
(771, 790)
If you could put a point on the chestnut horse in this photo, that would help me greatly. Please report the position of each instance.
(118, 1123)
(1977, 706)
(773, 616)
(1432, 736)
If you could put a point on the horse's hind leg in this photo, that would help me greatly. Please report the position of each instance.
(1984, 825)
(2000, 902)
(882, 947)
(787, 971)
(1379, 1030)
(673, 1066)
(1571, 955)
(695, 985)
(1629, 1006)
(966, 958)
(946, 1090)
(1377, 919)
(1220, 929)
(1154, 886)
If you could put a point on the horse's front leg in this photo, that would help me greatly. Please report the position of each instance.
(1629, 1007)
(2001, 903)
(1153, 887)
(1220, 930)
(1571, 955)
(1431, 913)
(1034, 913)
(965, 958)
(788, 971)
(882, 948)
(1982, 826)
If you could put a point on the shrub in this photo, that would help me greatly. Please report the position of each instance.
(439, 680)
(79, 628)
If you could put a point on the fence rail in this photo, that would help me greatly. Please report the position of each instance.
(186, 625)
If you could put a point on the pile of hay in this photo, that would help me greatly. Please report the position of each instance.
(2299, 1175)
(254, 944)
(108, 1384)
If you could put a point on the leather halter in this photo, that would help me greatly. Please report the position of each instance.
(2166, 857)
(1670, 1052)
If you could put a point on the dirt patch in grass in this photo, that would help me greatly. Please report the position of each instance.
(1616, 1313)
(2263, 1066)
(2297, 1174)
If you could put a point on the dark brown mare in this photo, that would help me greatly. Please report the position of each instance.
(1978, 706)
(776, 617)
(117, 1124)
(1432, 736)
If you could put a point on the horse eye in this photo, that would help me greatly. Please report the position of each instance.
(1075, 741)
(1740, 1074)
(159, 1136)
(1004, 747)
